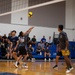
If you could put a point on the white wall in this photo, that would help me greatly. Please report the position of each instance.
(16, 17)
(74, 13)
(70, 14)
(38, 31)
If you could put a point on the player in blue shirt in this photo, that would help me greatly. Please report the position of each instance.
(14, 44)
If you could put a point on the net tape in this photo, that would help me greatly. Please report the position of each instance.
(18, 6)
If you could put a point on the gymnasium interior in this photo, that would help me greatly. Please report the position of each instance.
(44, 16)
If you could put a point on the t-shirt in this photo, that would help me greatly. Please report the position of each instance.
(43, 40)
(29, 49)
(41, 45)
(14, 40)
(21, 41)
(50, 41)
(62, 40)
(34, 39)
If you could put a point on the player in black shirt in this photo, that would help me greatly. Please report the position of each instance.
(23, 48)
(63, 45)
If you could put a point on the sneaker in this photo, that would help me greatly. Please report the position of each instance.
(71, 68)
(29, 60)
(45, 59)
(24, 66)
(33, 60)
(55, 67)
(68, 70)
(40, 53)
(16, 64)
(49, 59)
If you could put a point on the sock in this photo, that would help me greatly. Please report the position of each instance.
(17, 62)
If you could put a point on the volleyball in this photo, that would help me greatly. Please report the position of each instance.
(30, 14)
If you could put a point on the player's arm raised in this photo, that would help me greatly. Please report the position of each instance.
(29, 30)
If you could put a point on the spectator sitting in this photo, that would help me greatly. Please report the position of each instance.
(9, 50)
(43, 39)
(47, 44)
(33, 40)
(3, 48)
(41, 46)
(50, 41)
(5, 40)
(46, 53)
(4, 37)
(29, 52)
(38, 49)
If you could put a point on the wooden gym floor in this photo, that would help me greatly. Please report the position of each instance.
(35, 68)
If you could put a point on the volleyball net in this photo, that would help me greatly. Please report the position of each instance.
(13, 6)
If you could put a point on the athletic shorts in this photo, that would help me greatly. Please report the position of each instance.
(59, 53)
(16, 50)
(22, 50)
